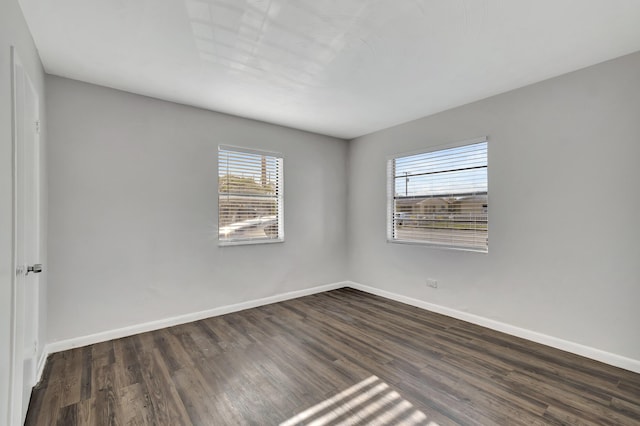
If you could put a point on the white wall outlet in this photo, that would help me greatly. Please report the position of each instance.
(432, 283)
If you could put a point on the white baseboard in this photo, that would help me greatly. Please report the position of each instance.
(76, 342)
(565, 345)
(42, 361)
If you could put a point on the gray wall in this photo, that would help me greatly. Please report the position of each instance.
(14, 32)
(133, 211)
(564, 252)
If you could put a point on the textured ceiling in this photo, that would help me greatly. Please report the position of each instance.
(338, 67)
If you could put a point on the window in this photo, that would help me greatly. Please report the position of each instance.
(440, 198)
(249, 196)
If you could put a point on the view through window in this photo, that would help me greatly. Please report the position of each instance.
(249, 196)
(440, 197)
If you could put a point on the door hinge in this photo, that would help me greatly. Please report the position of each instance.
(37, 127)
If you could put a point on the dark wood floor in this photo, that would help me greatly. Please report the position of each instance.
(341, 357)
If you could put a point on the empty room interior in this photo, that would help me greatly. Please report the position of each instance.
(297, 212)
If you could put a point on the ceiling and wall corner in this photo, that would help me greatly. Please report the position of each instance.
(134, 211)
(127, 174)
(341, 68)
(563, 202)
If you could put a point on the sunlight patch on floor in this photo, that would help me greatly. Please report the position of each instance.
(370, 402)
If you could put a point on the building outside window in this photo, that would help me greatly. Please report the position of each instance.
(440, 197)
(250, 196)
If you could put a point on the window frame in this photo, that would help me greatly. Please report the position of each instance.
(391, 195)
(279, 197)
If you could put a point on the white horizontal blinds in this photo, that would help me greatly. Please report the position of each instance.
(440, 197)
(249, 195)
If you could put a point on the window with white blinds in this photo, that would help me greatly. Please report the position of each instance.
(440, 198)
(250, 202)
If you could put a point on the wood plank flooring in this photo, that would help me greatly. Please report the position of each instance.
(341, 357)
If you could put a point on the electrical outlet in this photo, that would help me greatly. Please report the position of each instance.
(432, 283)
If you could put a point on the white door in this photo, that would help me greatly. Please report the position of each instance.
(26, 240)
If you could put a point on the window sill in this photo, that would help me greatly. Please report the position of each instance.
(438, 246)
(250, 242)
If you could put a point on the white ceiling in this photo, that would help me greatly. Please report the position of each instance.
(338, 67)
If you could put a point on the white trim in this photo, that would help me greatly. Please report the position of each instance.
(439, 246)
(255, 151)
(41, 364)
(439, 147)
(391, 196)
(565, 345)
(248, 242)
(279, 197)
(14, 403)
(76, 342)
(22, 89)
(555, 342)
